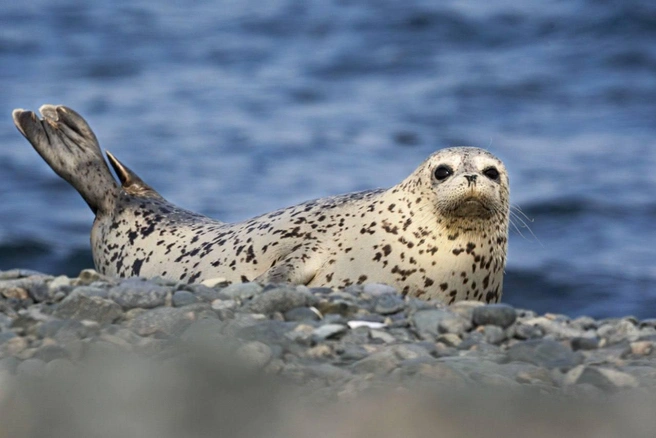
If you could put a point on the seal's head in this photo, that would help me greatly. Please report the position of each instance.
(466, 186)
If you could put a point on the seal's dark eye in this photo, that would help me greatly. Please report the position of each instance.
(492, 173)
(443, 172)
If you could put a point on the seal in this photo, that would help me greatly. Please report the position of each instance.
(439, 234)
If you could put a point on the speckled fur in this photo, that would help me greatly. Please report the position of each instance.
(429, 238)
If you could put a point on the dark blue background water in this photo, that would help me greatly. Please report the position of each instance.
(234, 108)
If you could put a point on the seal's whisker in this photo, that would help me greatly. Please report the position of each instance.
(515, 217)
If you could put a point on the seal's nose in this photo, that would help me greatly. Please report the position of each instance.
(471, 179)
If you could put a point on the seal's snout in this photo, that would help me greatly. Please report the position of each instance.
(471, 179)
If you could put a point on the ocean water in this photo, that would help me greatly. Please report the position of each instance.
(233, 108)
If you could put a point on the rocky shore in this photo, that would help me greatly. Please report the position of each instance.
(220, 355)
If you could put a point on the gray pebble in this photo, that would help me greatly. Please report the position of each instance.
(584, 343)
(500, 315)
(51, 352)
(240, 291)
(92, 291)
(387, 304)
(436, 321)
(281, 299)
(494, 334)
(79, 306)
(525, 331)
(301, 314)
(59, 282)
(202, 292)
(183, 298)
(32, 367)
(5, 336)
(328, 331)
(161, 321)
(380, 363)
(255, 353)
(135, 293)
(545, 353)
(378, 289)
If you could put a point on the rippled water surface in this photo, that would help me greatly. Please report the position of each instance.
(234, 108)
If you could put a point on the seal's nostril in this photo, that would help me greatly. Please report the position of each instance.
(471, 179)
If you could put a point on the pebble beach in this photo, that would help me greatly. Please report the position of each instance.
(315, 347)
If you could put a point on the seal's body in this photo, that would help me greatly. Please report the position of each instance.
(440, 233)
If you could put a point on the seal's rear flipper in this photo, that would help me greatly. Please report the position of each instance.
(69, 146)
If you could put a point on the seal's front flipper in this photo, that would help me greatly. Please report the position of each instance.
(299, 267)
(66, 142)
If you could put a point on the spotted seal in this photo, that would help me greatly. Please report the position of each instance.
(440, 233)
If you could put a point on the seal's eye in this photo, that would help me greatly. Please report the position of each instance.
(492, 173)
(443, 172)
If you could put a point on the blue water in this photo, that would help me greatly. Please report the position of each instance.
(234, 108)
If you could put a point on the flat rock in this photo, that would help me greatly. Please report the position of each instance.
(281, 299)
(388, 303)
(79, 306)
(328, 331)
(240, 291)
(436, 321)
(162, 321)
(134, 293)
(545, 353)
(183, 298)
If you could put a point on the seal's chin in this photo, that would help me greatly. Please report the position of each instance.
(472, 208)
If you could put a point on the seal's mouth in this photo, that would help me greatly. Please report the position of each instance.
(472, 207)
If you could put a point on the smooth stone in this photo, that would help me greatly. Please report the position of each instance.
(281, 299)
(493, 334)
(32, 367)
(64, 330)
(436, 321)
(545, 353)
(161, 321)
(183, 298)
(241, 291)
(9, 364)
(618, 332)
(465, 308)
(202, 292)
(5, 336)
(328, 331)
(88, 276)
(387, 304)
(351, 352)
(13, 346)
(525, 331)
(48, 353)
(381, 362)
(640, 348)
(213, 282)
(501, 315)
(92, 291)
(131, 294)
(379, 289)
(584, 343)
(255, 354)
(219, 304)
(449, 339)
(79, 306)
(383, 336)
(301, 314)
(603, 378)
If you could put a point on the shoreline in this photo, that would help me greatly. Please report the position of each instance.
(335, 345)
